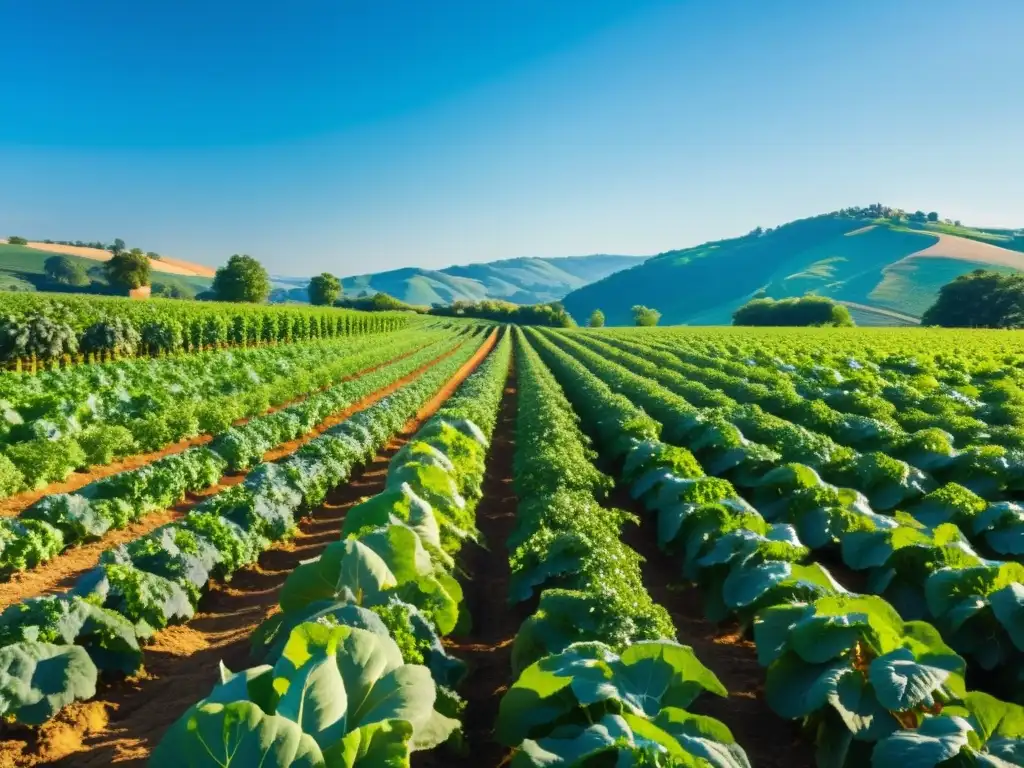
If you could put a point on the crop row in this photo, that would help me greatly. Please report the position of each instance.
(599, 677)
(48, 328)
(52, 649)
(869, 686)
(60, 520)
(355, 673)
(66, 420)
(922, 560)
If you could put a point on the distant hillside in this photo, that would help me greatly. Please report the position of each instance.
(21, 269)
(521, 281)
(892, 263)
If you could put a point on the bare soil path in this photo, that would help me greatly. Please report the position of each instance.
(126, 719)
(487, 648)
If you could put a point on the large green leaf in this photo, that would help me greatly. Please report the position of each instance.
(902, 682)
(795, 689)
(38, 679)
(702, 736)
(347, 570)
(401, 549)
(647, 677)
(383, 745)
(237, 735)
(936, 740)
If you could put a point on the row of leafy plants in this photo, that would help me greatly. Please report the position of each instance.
(39, 327)
(62, 421)
(354, 672)
(599, 676)
(869, 687)
(922, 560)
(61, 520)
(53, 649)
(975, 392)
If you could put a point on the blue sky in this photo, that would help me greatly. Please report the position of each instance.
(360, 136)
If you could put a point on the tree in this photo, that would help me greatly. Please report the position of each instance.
(128, 271)
(324, 289)
(596, 319)
(153, 255)
(242, 279)
(645, 315)
(979, 299)
(933, 216)
(118, 247)
(15, 240)
(804, 311)
(64, 271)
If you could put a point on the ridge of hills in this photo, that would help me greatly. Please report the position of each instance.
(886, 266)
(524, 280)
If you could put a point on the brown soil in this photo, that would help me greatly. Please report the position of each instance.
(182, 661)
(14, 505)
(487, 648)
(60, 573)
(769, 741)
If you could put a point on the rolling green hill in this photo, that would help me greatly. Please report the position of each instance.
(21, 269)
(521, 281)
(893, 264)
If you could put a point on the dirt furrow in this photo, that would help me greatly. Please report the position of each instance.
(770, 741)
(487, 649)
(125, 721)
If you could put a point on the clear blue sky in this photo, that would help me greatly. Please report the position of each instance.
(360, 136)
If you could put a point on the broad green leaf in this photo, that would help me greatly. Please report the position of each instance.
(38, 679)
(936, 740)
(901, 682)
(346, 569)
(236, 735)
(384, 744)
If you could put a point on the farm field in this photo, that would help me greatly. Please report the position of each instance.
(467, 545)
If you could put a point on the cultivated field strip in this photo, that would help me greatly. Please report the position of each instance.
(976, 543)
(42, 330)
(56, 522)
(59, 423)
(103, 623)
(597, 669)
(750, 567)
(398, 545)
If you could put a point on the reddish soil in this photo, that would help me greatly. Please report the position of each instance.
(487, 648)
(769, 741)
(60, 573)
(14, 505)
(127, 718)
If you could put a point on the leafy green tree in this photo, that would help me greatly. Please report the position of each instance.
(128, 271)
(645, 316)
(15, 240)
(979, 299)
(118, 247)
(596, 319)
(64, 271)
(242, 279)
(933, 216)
(153, 255)
(803, 311)
(324, 289)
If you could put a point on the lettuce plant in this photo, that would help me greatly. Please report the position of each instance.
(853, 671)
(337, 696)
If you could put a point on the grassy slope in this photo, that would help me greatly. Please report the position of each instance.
(523, 281)
(21, 268)
(847, 259)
